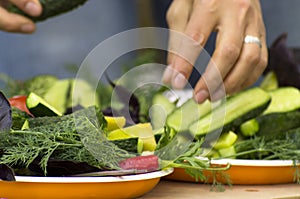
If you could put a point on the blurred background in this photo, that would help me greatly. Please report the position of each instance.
(61, 43)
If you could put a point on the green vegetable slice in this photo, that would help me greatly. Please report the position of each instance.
(239, 108)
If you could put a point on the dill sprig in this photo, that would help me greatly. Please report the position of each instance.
(74, 137)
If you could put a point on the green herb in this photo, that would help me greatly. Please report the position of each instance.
(75, 137)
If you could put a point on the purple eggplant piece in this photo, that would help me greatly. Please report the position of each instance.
(5, 113)
(62, 168)
(131, 103)
(285, 62)
(6, 173)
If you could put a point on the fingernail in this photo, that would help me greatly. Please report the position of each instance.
(219, 94)
(32, 8)
(27, 28)
(166, 78)
(179, 81)
(201, 96)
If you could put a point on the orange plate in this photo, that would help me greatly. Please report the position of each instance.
(129, 186)
(248, 172)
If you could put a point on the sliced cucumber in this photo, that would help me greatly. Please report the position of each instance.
(58, 94)
(181, 118)
(284, 99)
(160, 109)
(226, 140)
(39, 107)
(239, 108)
(249, 128)
(228, 152)
(82, 93)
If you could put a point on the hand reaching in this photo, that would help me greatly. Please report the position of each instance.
(240, 54)
(12, 22)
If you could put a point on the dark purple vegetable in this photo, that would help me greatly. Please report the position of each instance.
(62, 168)
(6, 173)
(285, 62)
(5, 113)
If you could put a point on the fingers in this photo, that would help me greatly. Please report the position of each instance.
(177, 17)
(31, 7)
(15, 23)
(252, 60)
(227, 52)
(235, 65)
(12, 22)
(196, 33)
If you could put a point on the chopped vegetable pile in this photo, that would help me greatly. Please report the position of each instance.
(48, 128)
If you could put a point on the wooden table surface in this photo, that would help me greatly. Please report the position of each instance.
(186, 190)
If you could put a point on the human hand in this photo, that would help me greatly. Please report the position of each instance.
(12, 22)
(235, 64)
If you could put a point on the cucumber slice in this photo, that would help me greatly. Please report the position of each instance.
(181, 118)
(249, 128)
(39, 107)
(57, 95)
(82, 93)
(160, 109)
(226, 140)
(284, 99)
(239, 108)
(227, 152)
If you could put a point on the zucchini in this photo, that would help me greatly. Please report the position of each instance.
(132, 144)
(69, 93)
(39, 107)
(82, 93)
(273, 124)
(160, 109)
(57, 95)
(284, 99)
(51, 8)
(181, 118)
(239, 108)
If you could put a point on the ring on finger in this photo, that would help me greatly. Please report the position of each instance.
(252, 39)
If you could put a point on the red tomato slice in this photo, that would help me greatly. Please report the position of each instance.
(19, 102)
(147, 163)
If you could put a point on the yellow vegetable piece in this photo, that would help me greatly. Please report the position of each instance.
(114, 123)
(142, 130)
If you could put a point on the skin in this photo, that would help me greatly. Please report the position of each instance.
(234, 65)
(11, 22)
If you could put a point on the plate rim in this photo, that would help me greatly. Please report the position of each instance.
(255, 163)
(94, 179)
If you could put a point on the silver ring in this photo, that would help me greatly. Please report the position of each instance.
(252, 39)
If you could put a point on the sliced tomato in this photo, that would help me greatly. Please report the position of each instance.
(147, 163)
(19, 101)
